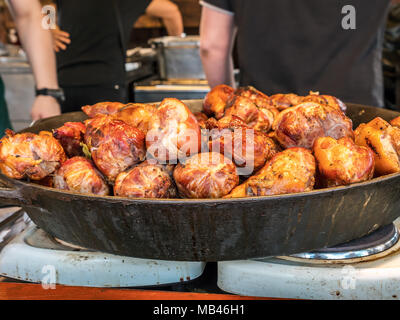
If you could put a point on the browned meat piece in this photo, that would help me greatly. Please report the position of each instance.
(206, 175)
(325, 100)
(260, 119)
(290, 171)
(174, 132)
(29, 155)
(249, 149)
(146, 180)
(201, 119)
(260, 99)
(217, 99)
(300, 126)
(284, 101)
(137, 115)
(70, 135)
(395, 122)
(384, 140)
(114, 145)
(78, 174)
(342, 162)
(102, 108)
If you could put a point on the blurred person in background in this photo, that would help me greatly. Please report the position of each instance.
(37, 43)
(286, 46)
(91, 38)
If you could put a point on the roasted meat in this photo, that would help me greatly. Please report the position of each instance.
(146, 180)
(300, 126)
(28, 155)
(325, 100)
(206, 175)
(260, 99)
(384, 140)
(290, 171)
(137, 115)
(70, 135)
(260, 119)
(249, 149)
(174, 132)
(201, 119)
(217, 99)
(395, 122)
(283, 101)
(342, 162)
(114, 145)
(102, 108)
(78, 174)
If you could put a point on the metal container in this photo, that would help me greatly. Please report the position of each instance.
(178, 57)
(210, 229)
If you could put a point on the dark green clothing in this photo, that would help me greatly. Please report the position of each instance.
(5, 122)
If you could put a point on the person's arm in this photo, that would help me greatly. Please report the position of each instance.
(38, 45)
(169, 13)
(217, 33)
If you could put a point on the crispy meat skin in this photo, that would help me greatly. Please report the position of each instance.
(30, 155)
(114, 145)
(201, 119)
(104, 108)
(235, 140)
(70, 135)
(342, 162)
(174, 132)
(260, 99)
(325, 100)
(79, 174)
(395, 122)
(290, 171)
(300, 126)
(284, 101)
(260, 119)
(146, 180)
(384, 140)
(216, 100)
(206, 175)
(137, 115)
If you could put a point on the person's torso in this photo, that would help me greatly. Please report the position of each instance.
(95, 55)
(298, 46)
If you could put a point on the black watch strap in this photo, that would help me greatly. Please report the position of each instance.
(55, 93)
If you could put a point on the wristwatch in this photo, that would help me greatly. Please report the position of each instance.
(58, 94)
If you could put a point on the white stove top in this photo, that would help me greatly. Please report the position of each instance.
(367, 278)
(34, 256)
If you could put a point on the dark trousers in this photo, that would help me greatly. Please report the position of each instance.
(77, 97)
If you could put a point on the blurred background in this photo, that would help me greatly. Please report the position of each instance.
(159, 65)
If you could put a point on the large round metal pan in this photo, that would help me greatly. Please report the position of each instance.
(211, 230)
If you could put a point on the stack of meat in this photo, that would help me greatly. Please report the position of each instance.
(243, 144)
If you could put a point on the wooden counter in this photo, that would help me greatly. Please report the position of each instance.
(29, 291)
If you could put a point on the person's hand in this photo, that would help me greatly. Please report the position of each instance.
(60, 39)
(44, 107)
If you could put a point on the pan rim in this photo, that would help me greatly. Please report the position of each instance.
(111, 199)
